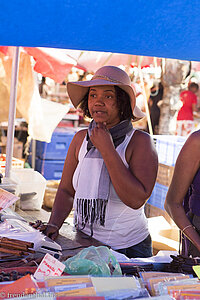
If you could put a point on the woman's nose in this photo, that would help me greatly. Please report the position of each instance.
(99, 100)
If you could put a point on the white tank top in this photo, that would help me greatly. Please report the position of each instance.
(124, 226)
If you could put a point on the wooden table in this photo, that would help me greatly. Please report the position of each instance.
(71, 241)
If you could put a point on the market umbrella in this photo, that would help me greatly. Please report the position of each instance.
(150, 28)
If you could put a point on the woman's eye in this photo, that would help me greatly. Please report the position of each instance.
(109, 96)
(92, 95)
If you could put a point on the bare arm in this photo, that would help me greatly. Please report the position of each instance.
(134, 184)
(187, 164)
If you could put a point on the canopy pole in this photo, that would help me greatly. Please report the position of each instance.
(12, 112)
(145, 101)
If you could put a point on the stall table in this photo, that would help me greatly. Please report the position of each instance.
(70, 241)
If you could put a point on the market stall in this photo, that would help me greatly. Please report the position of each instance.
(155, 29)
(88, 268)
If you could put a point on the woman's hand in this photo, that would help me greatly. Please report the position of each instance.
(49, 230)
(101, 137)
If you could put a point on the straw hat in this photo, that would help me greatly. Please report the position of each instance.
(107, 75)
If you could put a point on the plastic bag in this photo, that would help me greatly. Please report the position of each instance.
(44, 116)
(96, 261)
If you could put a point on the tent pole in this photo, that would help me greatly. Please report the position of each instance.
(12, 112)
(145, 102)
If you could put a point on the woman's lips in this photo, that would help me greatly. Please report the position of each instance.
(99, 113)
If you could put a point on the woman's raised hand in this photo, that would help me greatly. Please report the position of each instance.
(101, 137)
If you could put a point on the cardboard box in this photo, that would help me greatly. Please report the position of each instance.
(163, 230)
(17, 147)
(165, 174)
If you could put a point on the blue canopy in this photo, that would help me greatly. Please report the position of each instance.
(160, 28)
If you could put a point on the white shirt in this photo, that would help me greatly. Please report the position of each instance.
(124, 226)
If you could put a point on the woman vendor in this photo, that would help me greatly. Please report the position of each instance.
(110, 169)
(182, 200)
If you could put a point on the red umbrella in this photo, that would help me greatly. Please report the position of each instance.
(92, 60)
(50, 62)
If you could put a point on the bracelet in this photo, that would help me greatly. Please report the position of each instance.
(53, 225)
(187, 227)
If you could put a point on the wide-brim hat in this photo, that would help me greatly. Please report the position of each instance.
(107, 75)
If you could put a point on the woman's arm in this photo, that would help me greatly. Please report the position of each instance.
(187, 165)
(64, 197)
(134, 184)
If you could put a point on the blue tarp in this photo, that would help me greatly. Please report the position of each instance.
(160, 28)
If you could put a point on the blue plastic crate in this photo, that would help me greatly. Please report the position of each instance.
(50, 169)
(58, 147)
(158, 196)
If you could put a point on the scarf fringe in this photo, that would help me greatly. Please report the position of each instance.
(90, 211)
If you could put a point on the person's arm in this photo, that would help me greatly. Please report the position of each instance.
(64, 197)
(187, 164)
(134, 184)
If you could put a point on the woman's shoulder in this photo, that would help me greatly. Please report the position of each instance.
(193, 141)
(190, 150)
(141, 142)
(194, 138)
(78, 140)
(140, 136)
(79, 136)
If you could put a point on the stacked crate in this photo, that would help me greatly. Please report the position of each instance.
(168, 148)
(165, 235)
(50, 157)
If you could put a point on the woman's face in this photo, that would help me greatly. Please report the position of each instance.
(102, 104)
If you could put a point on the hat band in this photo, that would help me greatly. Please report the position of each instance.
(106, 78)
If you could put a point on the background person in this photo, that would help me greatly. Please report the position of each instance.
(185, 117)
(110, 169)
(154, 109)
(43, 88)
(182, 200)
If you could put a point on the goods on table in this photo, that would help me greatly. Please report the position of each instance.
(15, 247)
(11, 274)
(16, 163)
(97, 261)
(162, 284)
